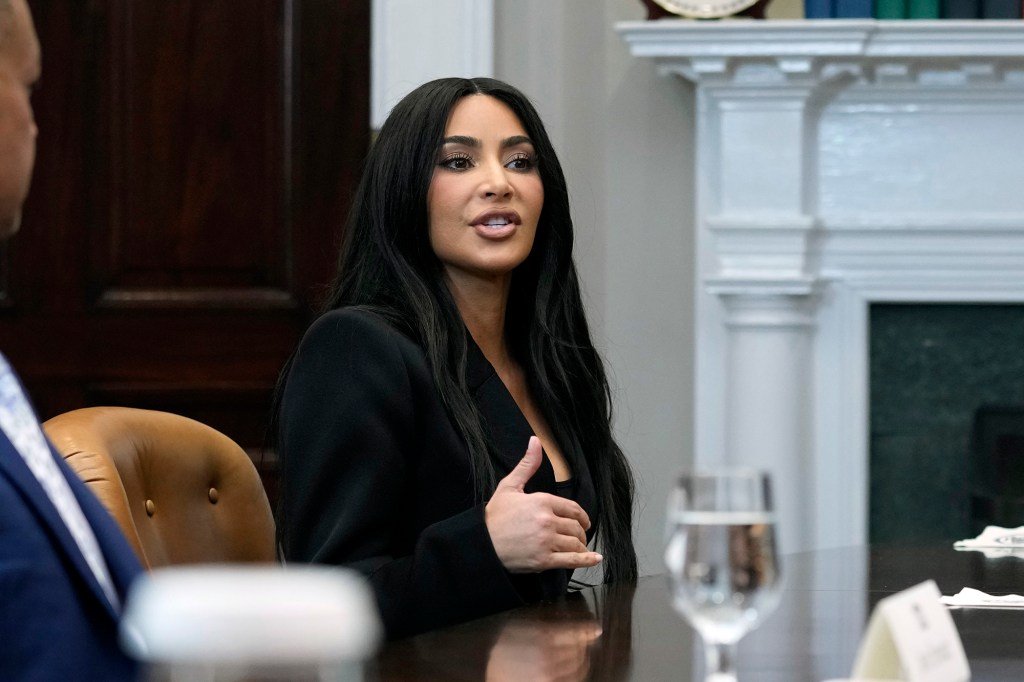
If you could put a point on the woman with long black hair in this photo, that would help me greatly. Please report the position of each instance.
(444, 426)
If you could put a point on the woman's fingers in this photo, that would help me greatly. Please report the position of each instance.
(524, 471)
(529, 536)
(566, 509)
(574, 559)
(570, 528)
(564, 543)
(536, 531)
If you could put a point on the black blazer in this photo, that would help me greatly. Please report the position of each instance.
(376, 477)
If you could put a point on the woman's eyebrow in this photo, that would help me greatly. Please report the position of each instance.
(464, 140)
(515, 140)
(468, 141)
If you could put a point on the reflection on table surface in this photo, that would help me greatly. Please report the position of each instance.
(615, 633)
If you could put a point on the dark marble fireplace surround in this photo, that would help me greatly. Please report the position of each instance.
(946, 420)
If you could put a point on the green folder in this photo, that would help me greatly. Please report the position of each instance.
(891, 9)
(923, 9)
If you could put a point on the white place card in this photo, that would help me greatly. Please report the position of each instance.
(911, 637)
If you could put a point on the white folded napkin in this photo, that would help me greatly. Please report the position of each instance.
(970, 597)
(995, 537)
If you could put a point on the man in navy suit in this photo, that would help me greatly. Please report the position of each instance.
(64, 564)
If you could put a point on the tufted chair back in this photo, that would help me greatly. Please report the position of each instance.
(181, 491)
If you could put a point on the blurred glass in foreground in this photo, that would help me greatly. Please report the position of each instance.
(257, 624)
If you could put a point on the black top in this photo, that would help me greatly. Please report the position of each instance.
(374, 475)
(566, 489)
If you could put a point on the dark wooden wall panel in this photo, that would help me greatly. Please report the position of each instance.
(198, 133)
(196, 160)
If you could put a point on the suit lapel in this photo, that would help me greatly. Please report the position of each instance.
(14, 467)
(507, 427)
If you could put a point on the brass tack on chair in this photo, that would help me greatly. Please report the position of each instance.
(150, 507)
(214, 496)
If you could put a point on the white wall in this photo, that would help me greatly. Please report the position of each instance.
(414, 42)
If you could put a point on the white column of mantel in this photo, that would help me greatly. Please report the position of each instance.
(756, 280)
(756, 274)
(755, 240)
(767, 411)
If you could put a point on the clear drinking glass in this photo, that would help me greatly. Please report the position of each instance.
(721, 559)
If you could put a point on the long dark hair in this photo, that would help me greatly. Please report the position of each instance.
(387, 264)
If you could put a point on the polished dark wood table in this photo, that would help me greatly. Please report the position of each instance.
(614, 633)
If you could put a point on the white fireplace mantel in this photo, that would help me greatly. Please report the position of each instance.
(839, 163)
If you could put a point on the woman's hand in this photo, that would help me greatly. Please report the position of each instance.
(536, 531)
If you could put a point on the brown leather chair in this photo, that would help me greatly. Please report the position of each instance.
(182, 491)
